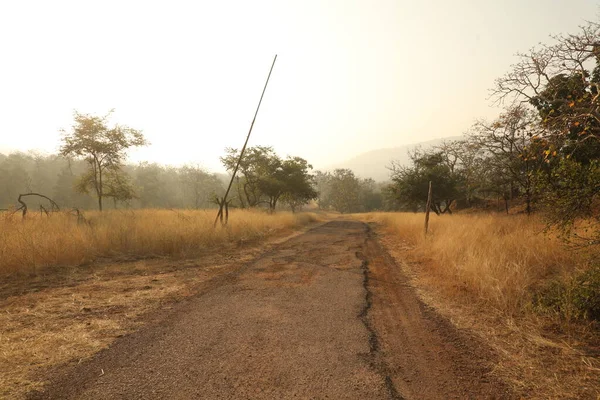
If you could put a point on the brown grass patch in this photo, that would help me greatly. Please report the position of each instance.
(59, 240)
(482, 271)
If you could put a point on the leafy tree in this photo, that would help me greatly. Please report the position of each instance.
(411, 184)
(390, 200)
(258, 161)
(370, 196)
(344, 191)
(118, 186)
(101, 147)
(464, 158)
(298, 182)
(270, 178)
(266, 178)
(322, 184)
(562, 82)
(511, 154)
(572, 189)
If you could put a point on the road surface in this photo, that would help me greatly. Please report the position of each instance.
(325, 315)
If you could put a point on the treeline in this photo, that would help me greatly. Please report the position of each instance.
(90, 172)
(343, 191)
(264, 180)
(150, 185)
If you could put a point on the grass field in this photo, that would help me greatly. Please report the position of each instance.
(499, 259)
(59, 240)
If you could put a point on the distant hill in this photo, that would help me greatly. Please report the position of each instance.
(372, 164)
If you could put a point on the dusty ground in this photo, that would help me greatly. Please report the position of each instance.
(326, 314)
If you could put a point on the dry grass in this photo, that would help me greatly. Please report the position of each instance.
(497, 258)
(66, 314)
(58, 240)
(481, 271)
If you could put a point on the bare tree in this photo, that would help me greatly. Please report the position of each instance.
(561, 82)
(510, 149)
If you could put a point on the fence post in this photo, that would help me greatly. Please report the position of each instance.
(427, 208)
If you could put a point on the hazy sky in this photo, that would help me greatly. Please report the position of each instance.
(351, 76)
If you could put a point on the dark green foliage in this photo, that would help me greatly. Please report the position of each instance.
(575, 299)
(266, 178)
(411, 184)
(570, 190)
(298, 184)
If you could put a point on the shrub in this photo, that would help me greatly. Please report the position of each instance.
(574, 298)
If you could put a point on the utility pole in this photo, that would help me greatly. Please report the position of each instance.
(224, 200)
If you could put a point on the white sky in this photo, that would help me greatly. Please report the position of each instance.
(351, 76)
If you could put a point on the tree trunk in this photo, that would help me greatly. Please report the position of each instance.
(242, 205)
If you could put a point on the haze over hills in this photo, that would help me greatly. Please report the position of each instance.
(372, 164)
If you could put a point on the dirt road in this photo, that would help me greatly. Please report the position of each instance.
(326, 314)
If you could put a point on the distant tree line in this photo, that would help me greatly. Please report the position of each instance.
(146, 185)
(90, 172)
(344, 192)
(91, 168)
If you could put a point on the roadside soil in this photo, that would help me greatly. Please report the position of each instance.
(326, 314)
(426, 356)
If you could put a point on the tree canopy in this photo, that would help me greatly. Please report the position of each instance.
(267, 178)
(103, 148)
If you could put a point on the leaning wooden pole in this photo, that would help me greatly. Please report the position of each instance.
(427, 209)
(237, 165)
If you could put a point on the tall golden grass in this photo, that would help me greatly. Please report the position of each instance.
(59, 240)
(498, 259)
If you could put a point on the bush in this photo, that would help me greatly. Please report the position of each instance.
(576, 298)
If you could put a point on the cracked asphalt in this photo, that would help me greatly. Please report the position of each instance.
(325, 315)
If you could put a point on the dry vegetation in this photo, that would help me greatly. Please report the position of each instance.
(59, 240)
(57, 306)
(486, 273)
